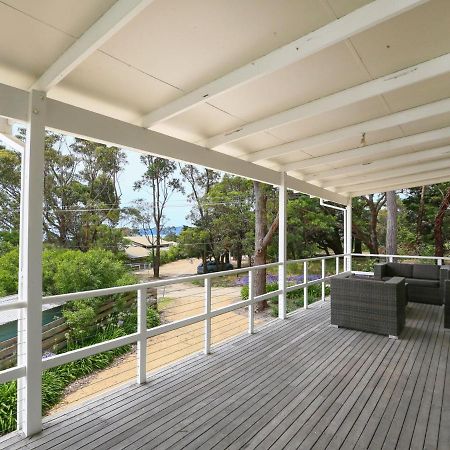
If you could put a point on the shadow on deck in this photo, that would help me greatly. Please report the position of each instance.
(294, 384)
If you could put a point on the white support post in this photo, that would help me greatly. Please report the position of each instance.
(323, 282)
(282, 246)
(207, 348)
(348, 236)
(30, 269)
(305, 280)
(142, 340)
(440, 261)
(391, 259)
(337, 265)
(251, 307)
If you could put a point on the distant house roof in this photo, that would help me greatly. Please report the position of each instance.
(134, 252)
(148, 241)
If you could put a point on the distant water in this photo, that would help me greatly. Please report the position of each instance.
(165, 232)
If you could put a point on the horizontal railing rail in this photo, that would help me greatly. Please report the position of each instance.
(143, 333)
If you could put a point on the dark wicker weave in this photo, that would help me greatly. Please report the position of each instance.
(424, 282)
(368, 305)
(447, 304)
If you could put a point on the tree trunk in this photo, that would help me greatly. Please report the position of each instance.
(391, 226)
(438, 222)
(358, 245)
(420, 214)
(260, 250)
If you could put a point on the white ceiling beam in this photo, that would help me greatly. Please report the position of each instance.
(355, 94)
(343, 28)
(308, 144)
(404, 185)
(370, 165)
(347, 183)
(404, 182)
(121, 13)
(97, 127)
(7, 136)
(373, 151)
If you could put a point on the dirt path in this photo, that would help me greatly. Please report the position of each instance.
(175, 302)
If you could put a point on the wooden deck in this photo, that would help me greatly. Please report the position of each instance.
(295, 384)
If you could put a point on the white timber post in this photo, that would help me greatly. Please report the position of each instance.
(282, 246)
(29, 392)
(337, 265)
(251, 307)
(142, 339)
(323, 282)
(305, 280)
(207, 348)
(348, 236)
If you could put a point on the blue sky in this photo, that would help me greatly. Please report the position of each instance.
(177, 208)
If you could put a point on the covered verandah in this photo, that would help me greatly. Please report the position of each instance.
(333, 99)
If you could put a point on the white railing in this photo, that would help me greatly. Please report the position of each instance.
(143, 333)
(391, 258)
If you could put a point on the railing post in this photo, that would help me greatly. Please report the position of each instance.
(337, 265)
(391, 259)
(323, 282)
(305, 280)
(251, 307)
(440, 261)
(348, 237)
(207, 348)
(29, 388)
(142, 339)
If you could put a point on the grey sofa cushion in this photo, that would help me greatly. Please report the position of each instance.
(425, 272)
(400, 270)
(422, 282)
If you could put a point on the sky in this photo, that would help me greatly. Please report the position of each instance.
(177, 208)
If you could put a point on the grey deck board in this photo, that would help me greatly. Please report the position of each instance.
(294, 384)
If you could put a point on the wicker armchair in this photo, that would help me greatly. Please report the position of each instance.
(369, 305)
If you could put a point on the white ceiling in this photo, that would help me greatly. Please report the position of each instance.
(174, 47)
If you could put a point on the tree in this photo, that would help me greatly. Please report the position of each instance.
(263, 237)
(200, 182)
(438, 222)
(160, 178)
(365, 220)
(230, 208)
(391, 225)
(9, 189)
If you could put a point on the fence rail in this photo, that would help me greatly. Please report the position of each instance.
(142, 334)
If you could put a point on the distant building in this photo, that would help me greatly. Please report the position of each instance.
(140, 247)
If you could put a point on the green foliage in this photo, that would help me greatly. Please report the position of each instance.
(294, 298)
(9, 272)
(10, 174)
(9, 240)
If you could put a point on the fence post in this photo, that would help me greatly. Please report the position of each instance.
(323, 282)
(142, 339)
(305, 280)
(207, 349)
(440, 261)
(337, 265)
(251, 307)
(391, 259)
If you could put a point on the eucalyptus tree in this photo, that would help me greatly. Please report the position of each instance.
(161, 179)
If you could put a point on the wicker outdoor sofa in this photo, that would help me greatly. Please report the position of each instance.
(368, 305)
(424, 282)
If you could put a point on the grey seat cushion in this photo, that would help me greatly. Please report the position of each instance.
(425, 272)
(400, 270)
(422, 282)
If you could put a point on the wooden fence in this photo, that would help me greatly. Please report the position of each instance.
(54, 334)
